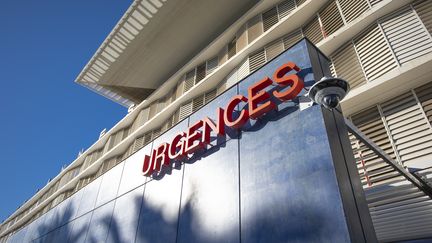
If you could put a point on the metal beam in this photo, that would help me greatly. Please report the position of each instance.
(418, 182)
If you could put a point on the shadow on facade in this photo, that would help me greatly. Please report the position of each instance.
(150, 225)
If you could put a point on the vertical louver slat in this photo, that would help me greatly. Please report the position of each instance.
(331, 19)
(407, 36)
(232, 78)
(312, 30)
(201, 72)
(243, 69)
(138, 143)
(292, 38)
(332, 69)
(285, 8)
(147, 138)
(424, 94)
(189, 80)
(409, 129)
(424, 11)
(255, 28)
(274, 49)
(347, 66)
(156, 133)
(256, 60)
(375, 56)
(351, 9)
(197, 103)
(270, 18)
(371, 124)
(185, 110)
(210, 95)
(212, 64)
(241, 38)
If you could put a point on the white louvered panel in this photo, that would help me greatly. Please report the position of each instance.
(147, 138)
(138, 143)
(292, 38)
(185, 110)
(200, 72)
(255, 28)
(256, 60)
(375, 56)
(424, 94)
(285, 8)
(331, 18)
(424, 11)
(409, 129)
(347, 66)
(399, 210)
(351, 9)
(270, 18)
(232, 78)
(312, 30)
(212, 64)
(370, 123)
(221, 87)
(332, 69)
(156, 133)
(374, 2)
(241, 37)
(407, 36)
(274, 49)
(210, 96)
(189, 80)
(243, 69)
(197, 103)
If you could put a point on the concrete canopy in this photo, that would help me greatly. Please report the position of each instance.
(152, 41)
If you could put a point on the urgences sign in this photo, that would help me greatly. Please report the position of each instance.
(198, 134)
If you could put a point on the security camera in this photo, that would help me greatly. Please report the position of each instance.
(329, 92)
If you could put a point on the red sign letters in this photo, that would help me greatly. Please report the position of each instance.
(198, 134)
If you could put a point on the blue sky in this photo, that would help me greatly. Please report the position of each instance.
(45, 118)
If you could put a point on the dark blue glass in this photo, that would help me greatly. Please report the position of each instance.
(124, 221)
(78, 228)
(159, 212)
(109, 185)
(210, 195)
(132, 172)
(90, 193)
(289, 191)
(100, 223)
